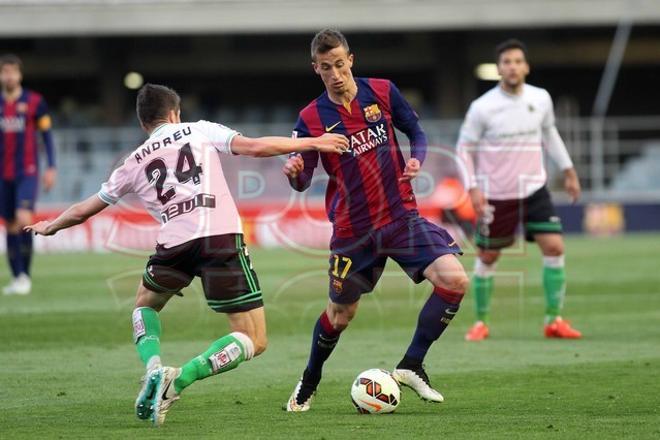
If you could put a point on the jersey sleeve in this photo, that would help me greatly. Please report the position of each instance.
(311, 159)
(118, 185)
(407, 120)
(549, 117)
(42, 115)
(219, 135)
(472, 128)
(471, 132)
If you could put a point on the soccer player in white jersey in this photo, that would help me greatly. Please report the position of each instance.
(502, 141)
(177, 175)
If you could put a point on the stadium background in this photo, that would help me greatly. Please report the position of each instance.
(69, 369)
(252, 71)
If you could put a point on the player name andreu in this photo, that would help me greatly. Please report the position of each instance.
(147, 149)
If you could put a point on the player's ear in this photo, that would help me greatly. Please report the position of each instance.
(350, 60)
(173, 116)
(315, 66)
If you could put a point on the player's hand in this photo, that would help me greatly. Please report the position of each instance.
(40, 228)
(294, 166)
(49, 179)
(572, 184)
(478, 202)
(331, 143)
(411, 170)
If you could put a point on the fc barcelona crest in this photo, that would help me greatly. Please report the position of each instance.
(372, 113)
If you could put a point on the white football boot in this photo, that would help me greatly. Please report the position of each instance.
(301, 398)
(164, 393)
(418, 380)
(21, 285)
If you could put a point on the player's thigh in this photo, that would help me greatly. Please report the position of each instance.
(253, 324)
(354, 268)
(416, 244)
(448, 273)
(148, 298)
(170, 270)
(229, 280)
(496, 229)
(551, 244)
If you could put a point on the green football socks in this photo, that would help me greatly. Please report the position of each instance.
(223, 355)
(146, 335)
(554, 286)
(482, 289)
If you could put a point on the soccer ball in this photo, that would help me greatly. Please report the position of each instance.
(375, 392)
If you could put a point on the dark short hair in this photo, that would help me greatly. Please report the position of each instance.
(154, 102)
(12, 59)
(326, 40)
(509, 44)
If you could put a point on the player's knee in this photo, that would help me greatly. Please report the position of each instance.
(461, 283)
(489, 257)
(340, 322)
(260, 344)
(23, 218)
(13, 227)
(554, 250)
(147, 298)
(458, 283)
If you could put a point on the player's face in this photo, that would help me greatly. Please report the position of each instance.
(334, 68)
(10, 77)
(512, 67)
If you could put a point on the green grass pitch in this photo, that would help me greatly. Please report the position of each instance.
(69, 368)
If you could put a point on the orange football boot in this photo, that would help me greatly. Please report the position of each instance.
(561, 329)
(478, 332)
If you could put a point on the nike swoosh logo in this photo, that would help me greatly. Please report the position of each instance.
(332, 127)
(164, 393)
(373, 405)
(452, 243)
(450, 311)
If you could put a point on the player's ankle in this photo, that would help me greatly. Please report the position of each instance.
(408, 363)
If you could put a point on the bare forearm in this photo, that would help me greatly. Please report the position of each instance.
(71, 217)
(276, 145)
(76, 214)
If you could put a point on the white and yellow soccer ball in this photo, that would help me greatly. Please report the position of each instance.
(375, 392)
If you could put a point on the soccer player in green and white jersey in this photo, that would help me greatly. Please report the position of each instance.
(502, 141)
(177, 175)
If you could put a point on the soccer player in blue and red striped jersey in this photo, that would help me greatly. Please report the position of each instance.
(23, 113)
(371, 204)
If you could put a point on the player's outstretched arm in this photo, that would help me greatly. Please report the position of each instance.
(276, 145)
(75, 215)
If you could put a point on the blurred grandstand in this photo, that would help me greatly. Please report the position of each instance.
(599, 59)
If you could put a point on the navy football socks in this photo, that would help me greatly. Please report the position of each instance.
(14, 254)
(26, 251)
(324, 340)
(433, 319)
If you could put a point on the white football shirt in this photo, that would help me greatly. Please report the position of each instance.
(502, 141)
(178, 177)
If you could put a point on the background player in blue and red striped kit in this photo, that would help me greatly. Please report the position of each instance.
(372, 207)
(23, 113)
